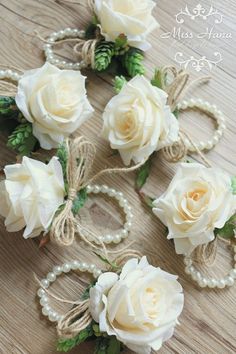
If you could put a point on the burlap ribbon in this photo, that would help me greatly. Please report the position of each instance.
(81, 154)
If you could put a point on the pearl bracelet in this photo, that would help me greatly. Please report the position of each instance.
(117, 238)
(60, 35)
(47, 311)
(214, 112)
(204, 282)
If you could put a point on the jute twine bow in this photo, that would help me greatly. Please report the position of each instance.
(81, 154)
(177, 87)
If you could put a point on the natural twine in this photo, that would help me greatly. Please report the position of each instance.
(81, 154)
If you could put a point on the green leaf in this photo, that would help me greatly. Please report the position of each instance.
(107, 345)
(113, 346)
(227, 232)
(119, 82)
(146, 199)
(121, 41)
(176, 113)
(105, 260)
(79, 201)
(22, 139)
(143, 174)
(62, 155)
(233, 185)
(65, 345)
(157, 80)
(85, 295)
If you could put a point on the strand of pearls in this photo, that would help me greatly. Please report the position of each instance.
(204, 282)
(9, 74)
(47, 310)
(206, 107)
(123, 202)
(68, 33)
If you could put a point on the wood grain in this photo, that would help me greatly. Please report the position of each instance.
(209, 317)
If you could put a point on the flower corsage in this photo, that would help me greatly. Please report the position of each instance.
(45, 107)
(135, 305)
(142, 118)
(198, 208)
(40, 197)
(115, 39)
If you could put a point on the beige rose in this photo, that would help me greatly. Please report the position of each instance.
(54, 101)
(138, 121)
(132, 18)
(30, 195)
(140, 306)
(198, 200)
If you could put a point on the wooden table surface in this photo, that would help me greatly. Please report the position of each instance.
(208, 321)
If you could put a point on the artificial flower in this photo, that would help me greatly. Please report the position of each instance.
(54, 101)
(140, 307)
(198, 200)
(132, 18)
(30, 195)
(138, 121)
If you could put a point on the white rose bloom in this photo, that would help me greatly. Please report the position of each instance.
(30, 195)
(198, 200)
(138, 121)
(54, 101)
(140, 306)
(130, 17)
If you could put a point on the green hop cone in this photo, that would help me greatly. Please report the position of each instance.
(9, 109)
(119, 82)
(103, 55)
(22, 139)
(132, 61)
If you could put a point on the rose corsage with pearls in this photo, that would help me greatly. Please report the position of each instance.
(135, 305)
(142, 118)
(199, 207)
(116, 38)
(48, 198)
(47, 106)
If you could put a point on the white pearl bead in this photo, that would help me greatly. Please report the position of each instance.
(96, 189)
(92, 268)
(57, 270)
(45, 283)
(112, 193)
(44, 300)
(97, 273)
(229, 281)
(108, 239)
(116, 239)
(203, 283)
(75, 265)
(51, 277)
(128, 226)
(124, 233)
(41, 292)
(104, 189)
(46, 310)
(52, 316)
(221, 284)
(66, 267)
(212, 283)
(83, 267)
(233, 273)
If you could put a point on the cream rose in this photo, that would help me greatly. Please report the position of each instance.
(140, 306)
(130, 17)
(138, 121)
(30, 195)
(198, 200)
(54, 101)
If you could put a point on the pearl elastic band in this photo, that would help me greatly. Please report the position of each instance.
(47, 311)
(204, 282)
(123, 203)
(67, 33)
(211, 110)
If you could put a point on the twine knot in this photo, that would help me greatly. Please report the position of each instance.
(72, 194)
